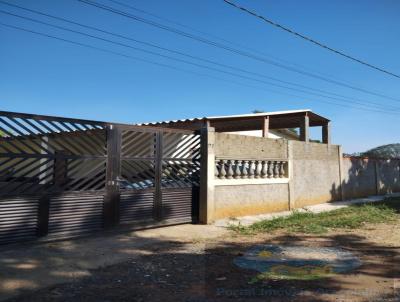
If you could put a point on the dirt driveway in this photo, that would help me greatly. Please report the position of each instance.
(195, 263)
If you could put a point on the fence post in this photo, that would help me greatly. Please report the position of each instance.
(158, 211)
(207, 174)
(112, 194)
(43, 216)
(377, 177)
(341, 174)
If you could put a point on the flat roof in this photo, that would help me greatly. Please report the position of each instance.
(259, 114)
(242, 122)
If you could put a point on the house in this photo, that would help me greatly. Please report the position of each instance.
(66, 177)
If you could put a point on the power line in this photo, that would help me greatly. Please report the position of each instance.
(175, 68)
(311, 40)
(125, 55)
(180, 60)
(230, 49)
(129, 6)
(342, 98)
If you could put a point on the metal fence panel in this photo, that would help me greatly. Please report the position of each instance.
(18, 218)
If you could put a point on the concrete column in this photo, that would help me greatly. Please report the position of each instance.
(291, 192)
(341, 174)
(304, 129)
(265, 126)
(207, 174)
(377, 177)
(326, 133)
(206, 124)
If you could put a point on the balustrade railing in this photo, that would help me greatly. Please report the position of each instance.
(248, 169)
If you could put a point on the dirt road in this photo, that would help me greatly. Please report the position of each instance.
(201, 268)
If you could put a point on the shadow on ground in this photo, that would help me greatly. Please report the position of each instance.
(30, 266)
(203, 270)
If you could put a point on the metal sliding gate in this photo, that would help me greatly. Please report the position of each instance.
(63, 177)
(157, 175)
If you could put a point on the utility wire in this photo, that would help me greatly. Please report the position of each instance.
(230, 49)
(126, 56)
(173, 67)
(178, 60)
(311, 40)
(99, 49)
(354, 100)
(129, 6)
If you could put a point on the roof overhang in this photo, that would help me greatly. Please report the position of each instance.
(245, 122)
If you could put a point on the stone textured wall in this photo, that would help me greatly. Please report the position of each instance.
(316, 175)
(242, 146)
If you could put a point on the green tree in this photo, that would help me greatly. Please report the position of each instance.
(385, 151)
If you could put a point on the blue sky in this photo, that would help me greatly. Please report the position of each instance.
(41, 75)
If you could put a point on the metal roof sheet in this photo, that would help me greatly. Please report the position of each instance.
(196, 119)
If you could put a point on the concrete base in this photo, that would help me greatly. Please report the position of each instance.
(324, 207)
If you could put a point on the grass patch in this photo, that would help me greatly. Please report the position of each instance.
(305, 273)
(352, 217)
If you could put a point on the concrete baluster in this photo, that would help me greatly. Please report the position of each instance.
(222, 171)
(264, 170)
(229, 174)
(258, 169)
(270, 169)
(237, 171)
(282, 170)
(245, 173)
(252, 169)
(276, 169)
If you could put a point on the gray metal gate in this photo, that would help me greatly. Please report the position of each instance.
(64, 177)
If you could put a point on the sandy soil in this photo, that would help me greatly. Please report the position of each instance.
(202, 269)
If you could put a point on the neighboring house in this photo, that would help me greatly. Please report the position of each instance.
(278, 124)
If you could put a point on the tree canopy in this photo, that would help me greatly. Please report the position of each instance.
(385, 151)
